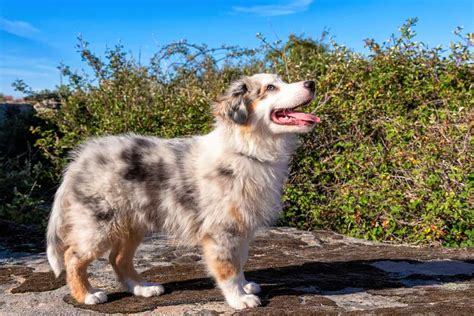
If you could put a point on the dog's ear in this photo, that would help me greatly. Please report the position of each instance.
(237, 110)
(233, 104)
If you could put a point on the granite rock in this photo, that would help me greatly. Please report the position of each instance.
(301, 273)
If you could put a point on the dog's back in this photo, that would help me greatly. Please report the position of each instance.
(118, 184)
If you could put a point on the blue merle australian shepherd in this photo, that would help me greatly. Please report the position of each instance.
(213, 191)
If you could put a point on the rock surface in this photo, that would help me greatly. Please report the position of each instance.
(301, 273)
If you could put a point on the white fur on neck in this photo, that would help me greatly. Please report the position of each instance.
(258, 144)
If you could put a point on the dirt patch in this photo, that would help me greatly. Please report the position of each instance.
(34, 281)
(8, 274)
(40, 282)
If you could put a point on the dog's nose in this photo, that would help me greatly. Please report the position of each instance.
(310, 85)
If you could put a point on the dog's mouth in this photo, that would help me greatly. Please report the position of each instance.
(289, 116)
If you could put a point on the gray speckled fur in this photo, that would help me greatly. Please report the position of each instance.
(223, 185)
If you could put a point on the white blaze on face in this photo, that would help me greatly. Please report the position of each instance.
(291, 95)
(278, 107)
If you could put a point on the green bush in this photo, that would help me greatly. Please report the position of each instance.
(24, 181)
(391, 160)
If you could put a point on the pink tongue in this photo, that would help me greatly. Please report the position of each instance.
(300, 116)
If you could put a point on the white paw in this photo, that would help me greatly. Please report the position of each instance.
(95, 296)
(251, 288)
(145, 289)
(245, 301)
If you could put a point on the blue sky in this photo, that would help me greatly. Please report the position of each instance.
(35, 36)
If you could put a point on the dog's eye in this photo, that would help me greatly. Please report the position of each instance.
(271, 87)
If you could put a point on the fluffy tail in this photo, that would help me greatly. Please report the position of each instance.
(55, 248)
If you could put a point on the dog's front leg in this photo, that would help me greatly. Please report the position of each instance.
(249, 286)
(222, 254)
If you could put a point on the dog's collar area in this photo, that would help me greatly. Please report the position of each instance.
(254, 158)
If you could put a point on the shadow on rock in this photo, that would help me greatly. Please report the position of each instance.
(335, 278)
(283, 287)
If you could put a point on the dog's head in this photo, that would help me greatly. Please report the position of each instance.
(265, 101)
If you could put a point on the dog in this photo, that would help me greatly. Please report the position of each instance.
(212, 191)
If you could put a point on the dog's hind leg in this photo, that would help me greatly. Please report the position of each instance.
(222, 255)
(121, 259)
(76, 273)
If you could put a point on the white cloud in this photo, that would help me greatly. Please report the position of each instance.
(27, 74)
(26, 62)
(290, 7)
(28, 68)
(20, 28)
